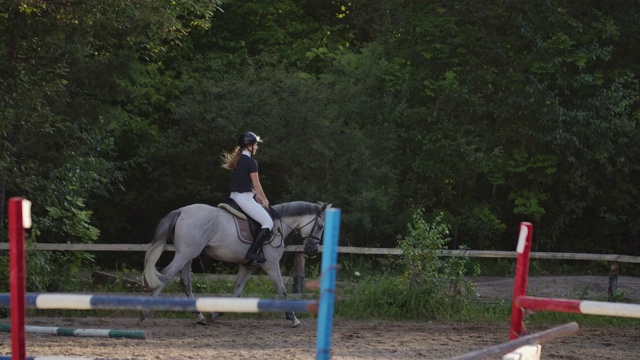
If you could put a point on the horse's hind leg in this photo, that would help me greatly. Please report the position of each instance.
(241, 280)
(185, 283)
(168, 272)
(154, 293)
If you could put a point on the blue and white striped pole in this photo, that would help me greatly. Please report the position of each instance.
(328, 283)
(136, 302)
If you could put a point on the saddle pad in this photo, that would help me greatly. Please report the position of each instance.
(230, 209)
(244, 233)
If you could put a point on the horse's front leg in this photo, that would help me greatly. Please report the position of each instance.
(273, 270)
(241, 280)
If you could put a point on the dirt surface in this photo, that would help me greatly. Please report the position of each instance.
(245, 338)
(250, 337)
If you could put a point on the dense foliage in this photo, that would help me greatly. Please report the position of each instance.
(114, 112)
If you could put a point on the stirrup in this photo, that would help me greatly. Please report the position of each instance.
(256, 257)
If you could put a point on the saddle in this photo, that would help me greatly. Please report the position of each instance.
(246, 226)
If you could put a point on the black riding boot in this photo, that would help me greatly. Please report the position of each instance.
(258, 240)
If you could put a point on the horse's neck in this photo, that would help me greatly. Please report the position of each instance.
(295, 222)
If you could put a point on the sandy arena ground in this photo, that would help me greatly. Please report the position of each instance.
(246, 338)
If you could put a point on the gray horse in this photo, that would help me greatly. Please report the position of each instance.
(200, 228)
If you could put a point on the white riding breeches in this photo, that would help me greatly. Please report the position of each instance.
(249, 205)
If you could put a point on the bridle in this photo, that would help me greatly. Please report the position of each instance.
(298, 231)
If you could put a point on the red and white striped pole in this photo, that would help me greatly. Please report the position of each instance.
(522, 272)
(19, 219)
(579, 306)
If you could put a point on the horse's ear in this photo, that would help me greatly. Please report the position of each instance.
(325, 206)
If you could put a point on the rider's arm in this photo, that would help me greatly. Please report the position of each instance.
(257, 187)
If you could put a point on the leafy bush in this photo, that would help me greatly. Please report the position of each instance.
(430, 288)
(46, 270)
(437, 276)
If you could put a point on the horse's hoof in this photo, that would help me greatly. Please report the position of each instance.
(143, 315)
(297, 324)
(200, 320)
(215, 316)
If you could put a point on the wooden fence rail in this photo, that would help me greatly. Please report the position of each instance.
(613, 259)
(357, 250)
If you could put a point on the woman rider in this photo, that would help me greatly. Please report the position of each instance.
(246, 189)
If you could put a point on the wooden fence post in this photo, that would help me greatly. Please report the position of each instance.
(298, 276)
(613, 281)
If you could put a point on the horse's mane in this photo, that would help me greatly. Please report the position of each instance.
(298, 208)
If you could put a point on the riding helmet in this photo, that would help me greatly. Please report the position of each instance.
(247, 139)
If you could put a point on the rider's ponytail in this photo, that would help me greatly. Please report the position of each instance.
(230, 159)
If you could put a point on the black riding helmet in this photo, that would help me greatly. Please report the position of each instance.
(247, 139)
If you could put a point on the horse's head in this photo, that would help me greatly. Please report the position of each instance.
(313, 237)
(304, 219)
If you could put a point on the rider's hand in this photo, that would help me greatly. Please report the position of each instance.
(262, 201)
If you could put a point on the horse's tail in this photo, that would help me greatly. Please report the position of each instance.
(164, 232)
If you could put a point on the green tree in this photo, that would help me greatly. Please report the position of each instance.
(67, 74)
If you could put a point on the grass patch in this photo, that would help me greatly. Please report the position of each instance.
(391, 298)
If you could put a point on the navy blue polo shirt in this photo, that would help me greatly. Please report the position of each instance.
(240, 177)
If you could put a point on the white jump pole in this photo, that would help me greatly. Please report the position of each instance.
(532, 339)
